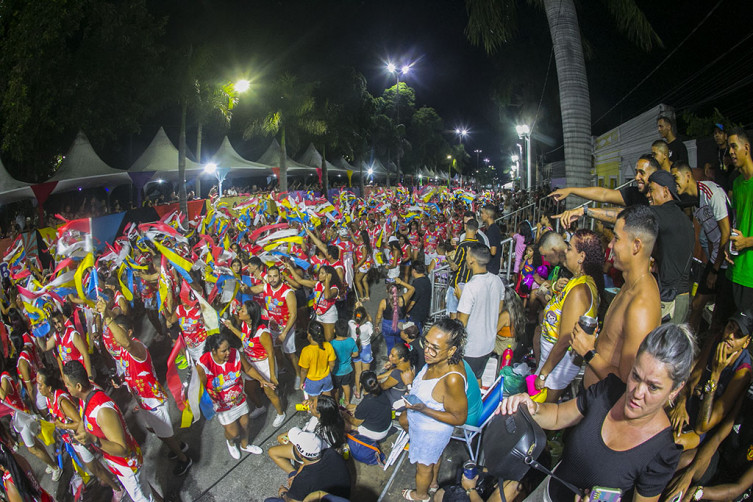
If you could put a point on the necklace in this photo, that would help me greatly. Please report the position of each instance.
(637, 280)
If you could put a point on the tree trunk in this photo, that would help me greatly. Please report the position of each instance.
(325, 178)
(199, 134)
(575, 104)
(360, 177)
(182, 159)
(283, 163)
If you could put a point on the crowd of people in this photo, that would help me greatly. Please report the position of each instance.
(270, 301)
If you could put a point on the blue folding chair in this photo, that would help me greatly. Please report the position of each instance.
(469, 432)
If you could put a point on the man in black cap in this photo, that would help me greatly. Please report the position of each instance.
(674, 247)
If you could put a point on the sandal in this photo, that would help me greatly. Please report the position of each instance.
(407, 495)
(432, 490)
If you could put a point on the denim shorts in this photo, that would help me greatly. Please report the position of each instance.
(365, 356)
(316, 387)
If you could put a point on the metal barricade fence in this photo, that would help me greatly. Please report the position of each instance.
(440, 281)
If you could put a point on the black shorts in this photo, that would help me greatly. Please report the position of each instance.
(343, 380)
(478, 364)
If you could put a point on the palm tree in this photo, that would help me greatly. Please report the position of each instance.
(492, 22)
(289, 111)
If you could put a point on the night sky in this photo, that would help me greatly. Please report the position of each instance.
(262, 38)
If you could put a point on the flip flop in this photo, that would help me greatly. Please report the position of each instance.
(407, 495)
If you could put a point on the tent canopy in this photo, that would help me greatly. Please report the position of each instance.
(161, 157)
(83, 168)
(12, 190)
(227, 157)
(273, 155)
(312, 157)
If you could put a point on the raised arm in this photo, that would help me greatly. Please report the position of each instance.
(598, 194)
(714, 410)
(317, 242)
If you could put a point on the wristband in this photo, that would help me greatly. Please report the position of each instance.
(589, 355)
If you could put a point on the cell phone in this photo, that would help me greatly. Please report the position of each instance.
(389, 281)
(602, 494)
(411, 399)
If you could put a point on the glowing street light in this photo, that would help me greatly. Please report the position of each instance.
(524, 132)
(242, 85)
(210, 168)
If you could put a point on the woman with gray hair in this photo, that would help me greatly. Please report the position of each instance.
(621, 437)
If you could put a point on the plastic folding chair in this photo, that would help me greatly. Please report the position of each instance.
(469, 432)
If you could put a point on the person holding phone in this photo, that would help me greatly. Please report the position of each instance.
(621, 437)
(437, 403)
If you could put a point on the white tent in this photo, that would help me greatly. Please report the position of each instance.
(343, 164)
(83, 168)
(273, 155)
(227, 157)
(12, 190)
(312, 157)
(161, 157)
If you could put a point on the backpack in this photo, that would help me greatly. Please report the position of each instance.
(365, 450)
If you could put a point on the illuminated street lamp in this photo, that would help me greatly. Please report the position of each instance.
(242, 85)
(392, 68)
(219, 172)
(524, 132)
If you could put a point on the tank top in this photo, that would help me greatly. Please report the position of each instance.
(274, 302)
(98, 401)
(553, 311)
(322, 304)
(27, 355)
(431, 239)
(53, 405)
(13, 397)
(252, 347)
(141, 379)
(224, 382)
(360, 254)
(108, 340)
(66, 349)
(192, 324)
(387, 314)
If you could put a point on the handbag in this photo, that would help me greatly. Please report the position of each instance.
(365, 450)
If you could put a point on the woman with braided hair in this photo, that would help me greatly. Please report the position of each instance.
(392, 311)
(557, 366)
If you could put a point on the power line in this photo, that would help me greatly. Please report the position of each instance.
(644, 79)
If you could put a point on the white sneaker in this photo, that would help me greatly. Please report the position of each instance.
(252, 448)
(279, 419)
(297, 383)
(257, 412)
(56, 473)
(233, 449)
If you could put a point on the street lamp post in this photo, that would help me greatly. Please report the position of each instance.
(219, 172)
(392, 68)
(477, 152)
(462, 133)
(449, 171)
(524, 132)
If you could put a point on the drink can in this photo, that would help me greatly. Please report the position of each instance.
(588, 324)
(732, 250)
(301, 407)
(469, 469)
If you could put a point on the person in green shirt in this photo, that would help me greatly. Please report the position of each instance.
(741, 235)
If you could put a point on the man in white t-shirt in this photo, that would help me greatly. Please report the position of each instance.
(712, 214)
(480, 309)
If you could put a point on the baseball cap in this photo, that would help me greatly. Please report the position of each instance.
(744, 321)
(719, 126)
(307, 444)
(665, 179)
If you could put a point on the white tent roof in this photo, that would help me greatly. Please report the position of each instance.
(312, 157)
(162, 156)
(272, 158)
(12, 190)
(226, 156)
(343, 164)
(82, 167)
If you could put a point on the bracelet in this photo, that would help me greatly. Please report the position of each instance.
(536, 411)
(589, 355)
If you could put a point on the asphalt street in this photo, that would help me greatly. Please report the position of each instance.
(215, 475)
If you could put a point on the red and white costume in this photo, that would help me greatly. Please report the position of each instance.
(225, 386)
(194, 332)
(126, 468)
(67, 351)
(54, 406)
(254, 350)
(141, 379)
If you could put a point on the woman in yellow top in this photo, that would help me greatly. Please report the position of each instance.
(317, 362)
(557, 367)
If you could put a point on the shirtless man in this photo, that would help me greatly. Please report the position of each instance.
(636, 309)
